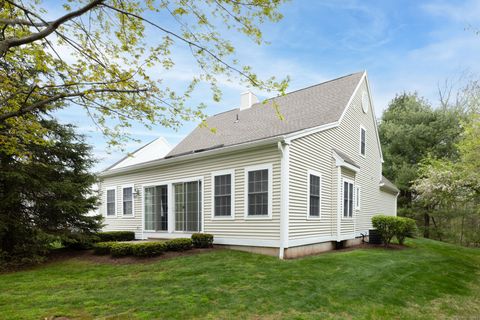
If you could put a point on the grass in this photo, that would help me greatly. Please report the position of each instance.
(430, 280)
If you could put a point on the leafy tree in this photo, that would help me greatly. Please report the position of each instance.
(452, 189)
(411, 130)
(99, 55)
(47, 195)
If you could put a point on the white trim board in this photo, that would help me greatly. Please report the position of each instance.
(266, 166)
(233, 183)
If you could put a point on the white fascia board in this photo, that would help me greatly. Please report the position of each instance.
(339, 162)
(161, 162)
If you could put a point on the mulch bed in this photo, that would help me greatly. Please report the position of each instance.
(366, 245)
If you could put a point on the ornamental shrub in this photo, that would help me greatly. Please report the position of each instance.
(406, 227)
(116, 236)
(148, 249)
(103, 248)
(121, 249)
(180, 244)
(386, 227)
(202, 240)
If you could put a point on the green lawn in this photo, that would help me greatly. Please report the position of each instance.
(430, 280)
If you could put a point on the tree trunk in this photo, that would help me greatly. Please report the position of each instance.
(426, 225)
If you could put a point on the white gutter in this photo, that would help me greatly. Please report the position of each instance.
(192, 156)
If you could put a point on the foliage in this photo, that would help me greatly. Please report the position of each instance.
(100, 56)
(405, 227)
(148, 249)
(121, 249)
(180, 244)
(116, 236)
(103, 248)
(452, 189)
(47, 196)
(386, 226)
(409, 131)
(430, 280)
(202, 240)
(79, 241)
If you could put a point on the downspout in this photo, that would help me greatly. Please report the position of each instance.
(284, 148)
(339, 202)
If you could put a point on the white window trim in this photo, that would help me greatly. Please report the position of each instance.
(269, 167)
(360, 142)
(231, 172)
(106, 202)
(358, 198)
(353, 197)
(318, 174)
(202, 207)
(128, 216)
(149, 185)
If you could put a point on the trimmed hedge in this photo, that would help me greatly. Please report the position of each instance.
(121, 249)
(390, 226)
(180, 244)
(148, 249)
(103, 248)
(116, 236)
(202, 240)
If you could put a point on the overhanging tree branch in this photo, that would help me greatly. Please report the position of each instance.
(6, 44)
(43, 103)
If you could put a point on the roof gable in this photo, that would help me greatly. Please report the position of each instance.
(302, 109)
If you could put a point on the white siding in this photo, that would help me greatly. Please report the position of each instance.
(387, 203)
(314, 152)
(264, 229)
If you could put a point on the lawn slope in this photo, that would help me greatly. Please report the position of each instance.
(429, 280)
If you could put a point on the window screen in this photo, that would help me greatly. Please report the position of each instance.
(314, 210)
(362, 141)
(127, 201)
(111, 202)
(258, 193)
(223, 195)
(347, 199)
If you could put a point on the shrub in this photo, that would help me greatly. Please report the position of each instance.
(116, 236)
(386, 226)
(79, 241)
(202, 240)
(180, 244)
(148, 249)
(102, 248)
(121, 249)
(406, 227)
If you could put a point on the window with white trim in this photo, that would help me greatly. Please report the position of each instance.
(222, 195)
(314, 187)
(347, 199)
(363, 137)
(127, 201)
(258, 192)
(111, 202)
(357, 198)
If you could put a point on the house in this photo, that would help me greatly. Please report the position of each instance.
(286, 187)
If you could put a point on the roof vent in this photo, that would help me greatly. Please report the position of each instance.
(247, 99)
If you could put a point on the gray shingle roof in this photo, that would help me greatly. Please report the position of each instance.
(346, 158)
(388, 184)
(302, 109)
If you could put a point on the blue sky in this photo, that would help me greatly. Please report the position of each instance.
(406, 45)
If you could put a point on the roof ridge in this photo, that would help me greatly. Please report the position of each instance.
(294, 91)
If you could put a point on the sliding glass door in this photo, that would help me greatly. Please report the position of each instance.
(188, 212)
(156, 208)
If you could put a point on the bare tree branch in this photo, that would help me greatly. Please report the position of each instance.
(23, 22)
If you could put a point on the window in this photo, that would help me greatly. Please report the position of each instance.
(258, 191)
(111, 202)
(363, 134)
(222, 194)
(188, 205)
(314, 187)
(155, 200)
(127, 201)
(347, 199)
(357, 198)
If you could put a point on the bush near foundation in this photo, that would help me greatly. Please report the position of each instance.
(202, 240)
(116, 236)
(391, 226)
(180, 244)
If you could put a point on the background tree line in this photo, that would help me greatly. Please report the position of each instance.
(433, 155)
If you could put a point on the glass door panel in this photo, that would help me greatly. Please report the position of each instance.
(188, 206)
(156, 208)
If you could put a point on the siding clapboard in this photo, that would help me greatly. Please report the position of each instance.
(266, 229)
